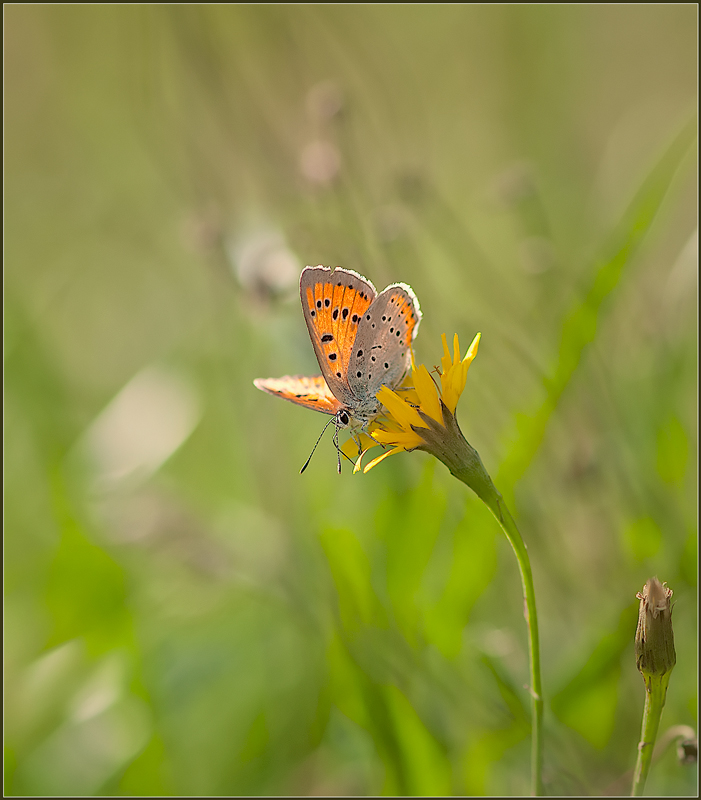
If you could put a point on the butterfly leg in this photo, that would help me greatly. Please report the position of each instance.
(335, 442)
(358, 442)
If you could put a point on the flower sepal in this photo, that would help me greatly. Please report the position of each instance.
(446, 442)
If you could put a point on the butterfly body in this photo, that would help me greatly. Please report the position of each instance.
(362, 342)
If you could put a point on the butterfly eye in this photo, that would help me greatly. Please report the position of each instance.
(343, 418)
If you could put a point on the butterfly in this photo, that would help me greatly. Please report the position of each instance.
(362, 342)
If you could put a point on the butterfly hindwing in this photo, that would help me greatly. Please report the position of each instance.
(334, 303)
(310, 392)
(382, 352)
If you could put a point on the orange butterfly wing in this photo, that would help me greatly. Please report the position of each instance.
(310, 392)
(333, 302)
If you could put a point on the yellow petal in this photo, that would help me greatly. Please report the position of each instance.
(446, 365)
(406, 439)
(388, 424)
(350, 448)
(462, 372)
(446, 362)
(446, 352)
(472, 349)
(456, 349)
(356, 444)
(445, 378)
(365, 441)
(377, 460)
(402, 412)
(450, 396)
(426, 389)
(407, 391)
(412, 397)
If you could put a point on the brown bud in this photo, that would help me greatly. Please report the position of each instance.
(654, 639)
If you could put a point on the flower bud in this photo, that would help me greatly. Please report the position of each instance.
(654, 639)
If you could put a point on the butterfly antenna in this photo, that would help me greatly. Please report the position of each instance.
(323, 431)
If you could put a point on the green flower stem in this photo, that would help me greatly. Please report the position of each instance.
(448, 444)
(494, 501)
(655, 696)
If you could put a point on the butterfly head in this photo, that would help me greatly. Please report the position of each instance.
(341, 419)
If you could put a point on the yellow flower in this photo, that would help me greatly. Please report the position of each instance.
(418, 414)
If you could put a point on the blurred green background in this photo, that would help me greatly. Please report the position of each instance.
(185, 613)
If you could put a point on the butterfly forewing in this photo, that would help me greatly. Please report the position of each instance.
(382, 352)
(311, 392)
(334, 303)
